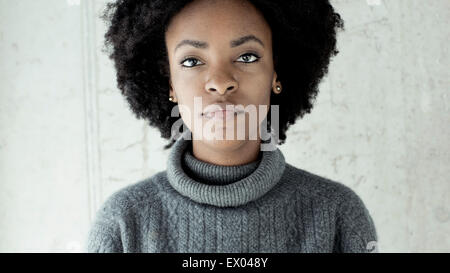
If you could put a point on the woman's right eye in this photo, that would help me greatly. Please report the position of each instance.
(191, 60)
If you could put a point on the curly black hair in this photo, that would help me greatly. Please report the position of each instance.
(303, 33)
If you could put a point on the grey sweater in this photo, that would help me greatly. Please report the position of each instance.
(265, 206)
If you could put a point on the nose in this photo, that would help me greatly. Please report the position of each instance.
(221, 84)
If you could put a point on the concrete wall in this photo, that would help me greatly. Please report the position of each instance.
(68, 140)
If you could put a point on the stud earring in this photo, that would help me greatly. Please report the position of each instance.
(171, 98)
(278, 89)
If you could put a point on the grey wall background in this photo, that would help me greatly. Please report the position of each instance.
(68, 140)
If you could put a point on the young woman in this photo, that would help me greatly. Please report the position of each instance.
(228, 194)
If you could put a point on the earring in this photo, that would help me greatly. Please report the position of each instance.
(278, 89)
(171, 98)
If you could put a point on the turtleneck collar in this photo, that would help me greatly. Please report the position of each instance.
(206, 173)
(222, 186)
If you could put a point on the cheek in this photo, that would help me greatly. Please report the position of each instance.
(186, 88)
(259, 89)
(186, 102)
(263, 90)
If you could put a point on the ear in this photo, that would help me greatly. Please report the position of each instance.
(171, 92)
(274, 80)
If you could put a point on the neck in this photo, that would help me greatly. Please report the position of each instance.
(227, 152)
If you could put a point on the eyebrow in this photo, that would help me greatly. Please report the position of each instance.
(233, 43)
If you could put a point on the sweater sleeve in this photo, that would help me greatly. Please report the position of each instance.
(356, 232)
(104, 234)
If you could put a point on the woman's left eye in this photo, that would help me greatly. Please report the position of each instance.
(247, 57)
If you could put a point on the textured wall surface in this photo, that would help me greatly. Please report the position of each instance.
(68, 140)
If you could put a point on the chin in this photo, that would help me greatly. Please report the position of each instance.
(224, 144)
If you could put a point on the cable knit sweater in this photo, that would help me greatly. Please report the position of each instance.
(265, 206)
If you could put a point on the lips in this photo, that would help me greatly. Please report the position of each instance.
(220, 114)
(220, 109)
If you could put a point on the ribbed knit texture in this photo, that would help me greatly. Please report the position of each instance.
(204, 172)
(267, 205)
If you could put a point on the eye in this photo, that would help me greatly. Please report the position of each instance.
(247, 56)
(191, 60)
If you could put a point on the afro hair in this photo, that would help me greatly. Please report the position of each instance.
(303, 33)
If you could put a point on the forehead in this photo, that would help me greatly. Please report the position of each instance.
(217, 20)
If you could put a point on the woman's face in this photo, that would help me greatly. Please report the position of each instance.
(210, 61)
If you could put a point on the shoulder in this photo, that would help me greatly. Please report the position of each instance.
(112, 218)
(134, 195)
(356, 227)
(313, 185)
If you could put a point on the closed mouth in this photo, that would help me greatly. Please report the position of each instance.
(221, 113)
